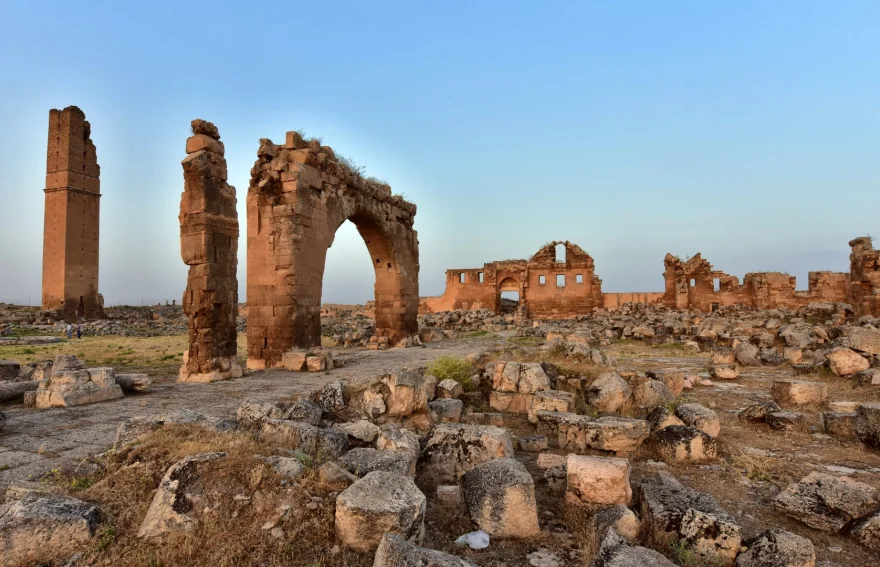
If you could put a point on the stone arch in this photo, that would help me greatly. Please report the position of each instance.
(508, 283)
(299, 196)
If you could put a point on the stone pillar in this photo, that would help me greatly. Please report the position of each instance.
(209, 246)
(864, 277)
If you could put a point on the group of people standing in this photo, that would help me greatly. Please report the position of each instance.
(70, 330)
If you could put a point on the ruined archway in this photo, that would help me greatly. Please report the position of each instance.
(509, 290)
(299, 195)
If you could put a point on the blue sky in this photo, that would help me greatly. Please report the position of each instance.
(748, 131)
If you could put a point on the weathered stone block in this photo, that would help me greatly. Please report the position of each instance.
(597, 480)
(500, 497)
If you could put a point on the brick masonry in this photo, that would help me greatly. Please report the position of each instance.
(71, 223)
(299, 195)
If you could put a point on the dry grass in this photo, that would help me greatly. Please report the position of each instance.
(235, 497)
(156, 355)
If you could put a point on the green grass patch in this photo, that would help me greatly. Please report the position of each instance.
(453, 368)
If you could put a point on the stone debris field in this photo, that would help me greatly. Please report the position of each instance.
(713, 423)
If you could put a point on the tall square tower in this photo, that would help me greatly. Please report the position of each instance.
(70, 230)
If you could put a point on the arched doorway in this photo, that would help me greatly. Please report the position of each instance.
(509, 296)
(300, 194)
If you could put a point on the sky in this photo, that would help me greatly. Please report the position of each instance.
(748, 131)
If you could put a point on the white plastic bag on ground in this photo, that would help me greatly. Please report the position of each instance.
(475, 540)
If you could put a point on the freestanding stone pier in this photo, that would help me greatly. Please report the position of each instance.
(209, 246)
(299, 195)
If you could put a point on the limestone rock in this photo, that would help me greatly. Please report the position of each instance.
(453, 449)
(449, 388)
(723, 356)
(331, 396)
(253, 412)
(9, 369)
(394, 551)
(799, 393)
(500, 497)
(867, 425)
(550, 400)
(672, 512)
(597, 480)
(724, 371)
(361, 430)
(38, 524)
(169, 509)
(864, 339)
(845, 362)
(672, 378)
(867, 531)
(785, 420)
(578, 432)
(397, 439)
(615, 551)
(133, 382)
(364, 460)
(320, 443)
(621, 519)
(778, 548)
(747, 354)
(409, 391)
(304, 411)
(683, 444)
(608, 393)
(700, 417)
(825, 502)
(447, 410)
(334, 476)
(652, 393)
(758, 412)
(533, 443)
(71, 385)
(839, 424)
(660, 417)
(379, 503)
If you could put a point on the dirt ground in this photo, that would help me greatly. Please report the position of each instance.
(754, 462)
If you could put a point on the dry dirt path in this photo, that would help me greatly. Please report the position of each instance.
(37, 441)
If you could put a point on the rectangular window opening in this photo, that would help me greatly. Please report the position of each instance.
(579, 278)
(717, 283)
(480, 276)
(461, 277)
(560, 280)
(693, 282)
(542, 279)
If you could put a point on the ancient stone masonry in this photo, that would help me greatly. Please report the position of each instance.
(864, 277)
(694, 284)
(70, 230)
(299, 195)
(209, 246)
(548, 286)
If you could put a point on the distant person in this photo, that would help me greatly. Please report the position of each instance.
(79, 331)
(69, 331)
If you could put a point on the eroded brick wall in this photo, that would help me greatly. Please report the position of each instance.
(864, 277)
(71, 221)
(209, 246)
(694, 284)
(299, 195)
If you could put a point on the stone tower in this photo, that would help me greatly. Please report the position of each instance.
(70, 230)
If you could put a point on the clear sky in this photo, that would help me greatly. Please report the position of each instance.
(748, 131)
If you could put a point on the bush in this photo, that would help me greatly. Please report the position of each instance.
(454, 368)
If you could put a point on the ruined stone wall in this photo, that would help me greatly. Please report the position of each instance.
(864, 277)
(694, 284)
(71, 222)
(612, 301)
(209, 246)
(561, 289)
(547, 288)
(299, 195)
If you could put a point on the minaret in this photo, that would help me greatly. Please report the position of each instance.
(70, 230)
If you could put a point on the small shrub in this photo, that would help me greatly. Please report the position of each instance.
(454, 368)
